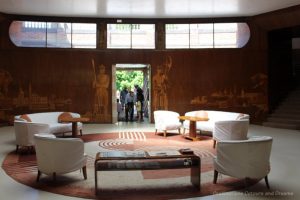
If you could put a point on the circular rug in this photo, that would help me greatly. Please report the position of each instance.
(138, 184)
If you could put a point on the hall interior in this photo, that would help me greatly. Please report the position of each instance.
(240, 56)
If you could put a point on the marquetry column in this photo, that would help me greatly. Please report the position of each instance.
(102, 35)
(160, 36)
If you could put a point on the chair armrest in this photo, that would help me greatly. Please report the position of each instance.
(32, 127)
(24, 131)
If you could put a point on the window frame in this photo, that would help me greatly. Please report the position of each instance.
(46, 32)
(214, 46)
(130, 46)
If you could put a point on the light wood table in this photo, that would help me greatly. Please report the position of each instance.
(192, 130)
(74, 121)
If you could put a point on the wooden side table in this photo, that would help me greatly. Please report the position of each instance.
(74, 122)
(192, 129)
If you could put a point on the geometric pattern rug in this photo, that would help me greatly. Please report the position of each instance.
(137, 184)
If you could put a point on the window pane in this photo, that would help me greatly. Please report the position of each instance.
(84, 35)
(119, 36)
(59, 35)
(143, 36)
(243, 35)
(201, 36)
(225, 35)
(28, 33)
(177, 36)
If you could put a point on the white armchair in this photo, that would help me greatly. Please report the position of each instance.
(244, 158)
(24, 132)
(230, 130)
(59, 155)
(166, 120)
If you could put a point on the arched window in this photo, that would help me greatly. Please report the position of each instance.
(53, 34)
(211, 35)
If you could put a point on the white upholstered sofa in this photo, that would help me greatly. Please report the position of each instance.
(47, 122)
(213, 116)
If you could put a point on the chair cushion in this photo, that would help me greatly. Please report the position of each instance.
(64, 115)
(26, 118)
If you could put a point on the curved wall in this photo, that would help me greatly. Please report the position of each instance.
(38, 80)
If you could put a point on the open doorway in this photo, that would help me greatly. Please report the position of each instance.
(127, 76)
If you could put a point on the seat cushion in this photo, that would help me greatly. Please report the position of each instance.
(57, 128)
(171, 126)
(205, 125)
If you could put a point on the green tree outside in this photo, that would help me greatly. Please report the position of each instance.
(129, 79)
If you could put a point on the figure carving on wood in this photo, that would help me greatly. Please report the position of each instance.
(100, 84)
(260, 82)
(160, 85)
(5, 80)
(251, 98)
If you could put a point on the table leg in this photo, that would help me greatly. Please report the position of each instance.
(196, 172)
(74, 129)
(96, 179)
(192, 132)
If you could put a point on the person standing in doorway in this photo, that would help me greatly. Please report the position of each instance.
(119, 109)
(129, 102)
(140, 98)
(138, 106)
(123, 94)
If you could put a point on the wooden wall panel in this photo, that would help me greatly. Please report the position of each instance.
(63, 80)
(279, 19)
(39, 80)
